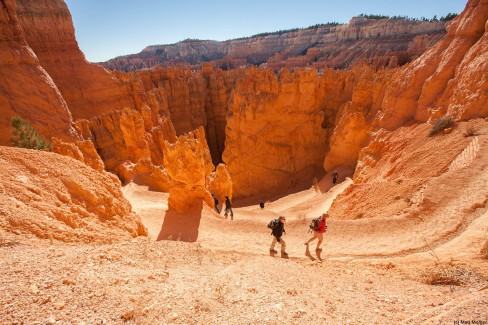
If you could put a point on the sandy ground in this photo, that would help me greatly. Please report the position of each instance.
(226, 275)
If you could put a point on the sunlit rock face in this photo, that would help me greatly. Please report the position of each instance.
(449, 79)
(274, 131)
(27, 90)
(188, 164)
(219, 183)
(401, 170)
(88, 89)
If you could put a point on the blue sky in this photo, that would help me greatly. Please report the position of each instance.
(108, 28)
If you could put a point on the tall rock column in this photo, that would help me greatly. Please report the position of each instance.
(188, 164)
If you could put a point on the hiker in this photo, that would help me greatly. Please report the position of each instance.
(278, 230)
(315, 185)
(335, 175)
(228, 208)
(261, 204)
(216, 203)
(319, 226)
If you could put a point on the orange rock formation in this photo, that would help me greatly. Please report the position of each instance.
(88, 89)
(27, 90)
(450, 78)
(274, 132)
(400, 162)
(48, 195)
(220, 183)
(188, 164)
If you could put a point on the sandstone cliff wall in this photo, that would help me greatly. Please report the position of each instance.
(26, 89)
(400, 165)
(87, 88)
(274, 133)
(451, 78)
(194, 99)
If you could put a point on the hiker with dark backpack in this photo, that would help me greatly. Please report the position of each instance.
(228, 209)
(216, 203)
(335, 176)
(319, 227)
(277, 227)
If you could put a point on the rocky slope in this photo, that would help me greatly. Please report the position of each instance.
(380, 42)
(51, 196)
(400, 156)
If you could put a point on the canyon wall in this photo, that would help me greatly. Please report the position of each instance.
(194, 99)
(275, 132)
(27, 90)
(401, 165)
(381, 42)
(450, 78)
(87, 88)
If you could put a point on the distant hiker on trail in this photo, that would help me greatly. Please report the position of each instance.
(228, 208)
(216, 203)
(261, 204)
(335, 176)
(319, 226)
(315, 185)
(277, 227)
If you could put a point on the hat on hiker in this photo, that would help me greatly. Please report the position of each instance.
(325, 215)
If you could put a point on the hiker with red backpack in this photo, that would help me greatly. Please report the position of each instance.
(319, 227)
(277, 227)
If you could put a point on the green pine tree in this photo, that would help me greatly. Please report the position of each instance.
(25, 135)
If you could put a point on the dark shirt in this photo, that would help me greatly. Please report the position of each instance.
(279, 230)
(227, 204)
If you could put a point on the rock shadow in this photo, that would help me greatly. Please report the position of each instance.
(181, 226)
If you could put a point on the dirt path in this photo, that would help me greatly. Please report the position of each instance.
(392, 236)
(248, 231)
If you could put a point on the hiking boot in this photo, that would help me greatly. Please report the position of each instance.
(273, 251)
(283, 254)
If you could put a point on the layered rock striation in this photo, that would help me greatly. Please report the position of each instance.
(382, 42)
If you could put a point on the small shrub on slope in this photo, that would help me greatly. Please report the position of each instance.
(25, 135)
(441, 124)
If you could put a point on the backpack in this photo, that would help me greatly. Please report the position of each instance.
(273, 223)
(314, 225)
